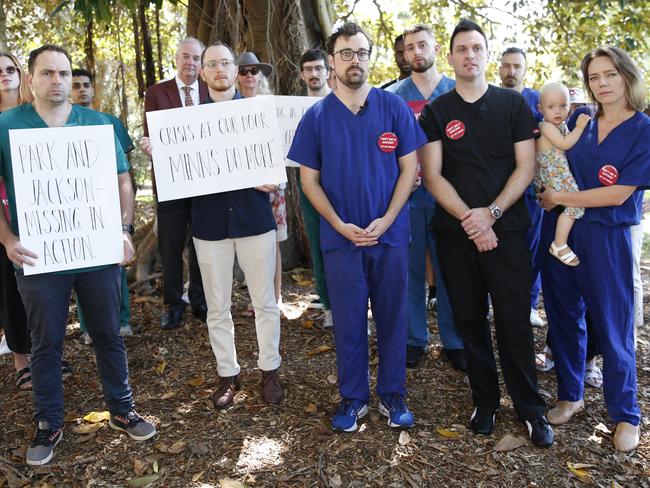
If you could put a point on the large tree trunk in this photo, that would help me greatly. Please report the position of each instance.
(89, 47)
(138, 54)
(147, 48)
(159, 44)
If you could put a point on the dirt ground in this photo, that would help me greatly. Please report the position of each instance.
(291, 445)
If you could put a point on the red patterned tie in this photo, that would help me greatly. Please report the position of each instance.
(188, 97)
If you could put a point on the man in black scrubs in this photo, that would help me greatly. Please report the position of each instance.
(479, 160)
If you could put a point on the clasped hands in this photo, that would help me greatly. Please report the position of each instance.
(477, 224)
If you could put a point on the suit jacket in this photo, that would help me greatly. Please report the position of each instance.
(164, 95)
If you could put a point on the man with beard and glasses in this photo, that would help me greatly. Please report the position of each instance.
(512, 72)
(425, 85)
(357, 151)
(479, 161)
(400, 61)
(314, 71)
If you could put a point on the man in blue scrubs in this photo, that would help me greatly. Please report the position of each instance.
(512, 72)
(425, 85)
(46, 296)
(357, 151)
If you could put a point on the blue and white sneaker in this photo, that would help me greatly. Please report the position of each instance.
(394, 407)
(348, 413)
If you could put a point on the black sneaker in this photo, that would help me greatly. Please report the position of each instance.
(482, 421)
(540, 432)
(41, 450)
(414, 355)
(135, 426)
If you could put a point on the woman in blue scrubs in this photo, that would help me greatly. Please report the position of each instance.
(610, 162)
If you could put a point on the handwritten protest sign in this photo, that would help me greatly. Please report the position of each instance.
(67, 198)
(216, 147)
(289, 111)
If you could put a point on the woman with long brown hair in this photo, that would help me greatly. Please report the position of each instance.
(610, 162)
(13, 92)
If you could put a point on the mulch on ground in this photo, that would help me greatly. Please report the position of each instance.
(173, 374)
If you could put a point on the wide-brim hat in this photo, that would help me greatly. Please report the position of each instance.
(249, 59)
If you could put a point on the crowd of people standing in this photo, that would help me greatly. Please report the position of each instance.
(428, 180)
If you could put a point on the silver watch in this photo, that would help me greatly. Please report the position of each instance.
(496, 211)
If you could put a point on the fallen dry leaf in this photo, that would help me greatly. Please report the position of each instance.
(177, 447)
(335, 481)
(142, 480)
(308, 324)
(319, 349)
(201, 449)
(583, 465)
(140, 467)
(168, 395)
(508, 443)
(197, 476)
(95, 417)
(404, 438)
(160, 368)
(311, 408)
(331, 379)
(196, 382)
(581, 474)
(161, 447)
(228, 483)
(447, 433)
(87, 428)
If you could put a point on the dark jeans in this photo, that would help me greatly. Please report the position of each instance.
(46, 298)
(174, 219)
(504, 273)
(12, 313)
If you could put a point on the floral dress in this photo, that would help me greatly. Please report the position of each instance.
(279, 206)
(552, 170)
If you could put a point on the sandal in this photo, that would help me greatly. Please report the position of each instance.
(66, 370)
(593, 375)
(544, 360)
(569, 258)
(24, 379)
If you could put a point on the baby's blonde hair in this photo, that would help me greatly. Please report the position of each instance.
(554, 86)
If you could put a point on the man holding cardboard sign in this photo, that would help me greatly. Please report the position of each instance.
(46, 296)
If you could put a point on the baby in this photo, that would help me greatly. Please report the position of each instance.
(552, 166)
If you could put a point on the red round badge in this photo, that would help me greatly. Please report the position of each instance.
(608, 175)
(455, 130)
(387, 142)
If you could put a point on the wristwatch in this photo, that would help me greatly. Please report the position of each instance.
(496, 211)
(128, 228)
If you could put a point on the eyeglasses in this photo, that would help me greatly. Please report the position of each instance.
(313, 69)
(244, 71)
(9, 70)
(224, 63)
(348, 54)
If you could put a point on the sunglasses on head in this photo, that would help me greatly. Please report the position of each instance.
(244, 71)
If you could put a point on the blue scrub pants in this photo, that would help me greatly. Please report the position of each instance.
(504, 273)
(422, 239)
(46, 298)
(602, 283)
(380, 273)
(535, 212)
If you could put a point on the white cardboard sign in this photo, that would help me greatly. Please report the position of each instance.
(289, 111)
(216, 147)
(67, 197)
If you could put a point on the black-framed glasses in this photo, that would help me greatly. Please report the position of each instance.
(244, 71)
(9, 70)
(224, 63)
(313, 69)
(348, 54)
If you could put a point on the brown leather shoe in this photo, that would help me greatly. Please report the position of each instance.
(224, 395)
(272, 391)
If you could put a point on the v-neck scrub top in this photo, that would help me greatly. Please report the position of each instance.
(357, 176)
(626, 148)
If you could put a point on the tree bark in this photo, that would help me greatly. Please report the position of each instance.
(159, 44)
(4, 38)
(89, 47)
(138, 54)
(149, 64)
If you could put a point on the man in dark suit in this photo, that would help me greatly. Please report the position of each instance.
(174, 216)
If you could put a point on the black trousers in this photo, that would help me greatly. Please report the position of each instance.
(12, 313)
(174, 220)
(504, 273)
